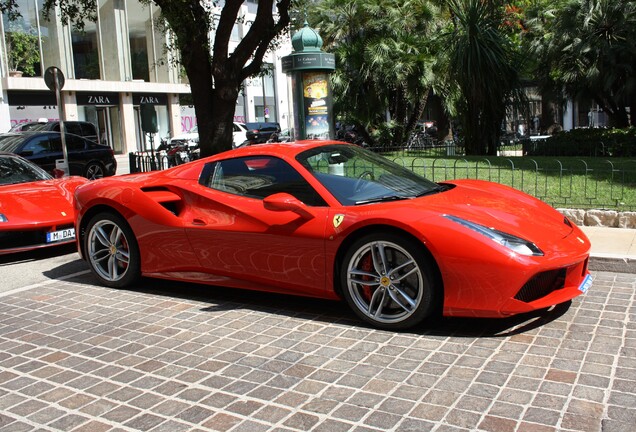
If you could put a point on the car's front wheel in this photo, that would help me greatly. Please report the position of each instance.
(111, 250)
(387, 281)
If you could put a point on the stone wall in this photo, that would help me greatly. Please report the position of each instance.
(606, 218)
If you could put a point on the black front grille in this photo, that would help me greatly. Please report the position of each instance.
(26, 238)
(541, 285)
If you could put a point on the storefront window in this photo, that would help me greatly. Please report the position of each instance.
(22, 41)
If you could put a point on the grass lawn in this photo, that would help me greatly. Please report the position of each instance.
(564, 182)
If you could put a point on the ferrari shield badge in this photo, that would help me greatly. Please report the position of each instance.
(337, 220)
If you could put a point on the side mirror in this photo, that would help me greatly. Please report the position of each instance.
(286, 202)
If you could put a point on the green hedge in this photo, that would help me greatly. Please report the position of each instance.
(585, 142)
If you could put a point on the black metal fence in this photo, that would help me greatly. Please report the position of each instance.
(155, 161)
(598, 183)
(565, 182)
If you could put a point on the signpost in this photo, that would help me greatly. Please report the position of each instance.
(54, 80)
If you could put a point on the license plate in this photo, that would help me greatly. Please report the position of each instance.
(61, 235)
(587, 283)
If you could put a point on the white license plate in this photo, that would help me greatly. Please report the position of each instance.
(61, 235)
(587, 283)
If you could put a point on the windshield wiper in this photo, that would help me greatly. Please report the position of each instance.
(436, 189)
(383, 199)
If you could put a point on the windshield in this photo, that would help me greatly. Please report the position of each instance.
(357, 176)
(10, 143)
(15, 170)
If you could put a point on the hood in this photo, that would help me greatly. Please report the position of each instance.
(42, 202)
(502, 208)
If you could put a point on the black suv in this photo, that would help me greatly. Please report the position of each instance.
(258, 133)
(79, 128)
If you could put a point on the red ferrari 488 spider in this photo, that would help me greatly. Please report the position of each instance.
(332, 220)
(36, 210)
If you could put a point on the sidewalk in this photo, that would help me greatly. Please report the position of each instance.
(613, 249)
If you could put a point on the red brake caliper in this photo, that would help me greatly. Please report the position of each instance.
(367, 265)
(124, 244)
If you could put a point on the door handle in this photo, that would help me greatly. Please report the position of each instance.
(198, 222)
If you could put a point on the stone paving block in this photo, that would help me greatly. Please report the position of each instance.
(88, 358)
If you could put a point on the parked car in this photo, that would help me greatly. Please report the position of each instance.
(334, 220)
(36, 210)
(85, 157)
(258, 133)
(191, 138)
(80, 128)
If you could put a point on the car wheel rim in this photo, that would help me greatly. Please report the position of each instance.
(385, 282)
(95, 172)
(108, 250)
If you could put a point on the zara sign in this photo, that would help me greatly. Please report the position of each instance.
(98, 99)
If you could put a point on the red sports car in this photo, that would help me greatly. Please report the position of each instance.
(36, 210)
(332, 220)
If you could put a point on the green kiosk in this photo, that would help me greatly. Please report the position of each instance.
(311, 101)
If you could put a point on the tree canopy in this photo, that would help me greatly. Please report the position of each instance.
(588, 48)
(384, 62)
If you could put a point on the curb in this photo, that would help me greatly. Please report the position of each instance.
(612, 263)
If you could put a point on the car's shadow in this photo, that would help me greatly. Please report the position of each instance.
(220, 299)
(37, 254)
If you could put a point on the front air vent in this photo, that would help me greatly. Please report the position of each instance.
(541, 285)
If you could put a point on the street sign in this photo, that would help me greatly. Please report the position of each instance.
(54, 78)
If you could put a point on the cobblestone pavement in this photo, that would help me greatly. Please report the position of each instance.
(174, 357)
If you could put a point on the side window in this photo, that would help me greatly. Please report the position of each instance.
(56, 142)
(38, 145)
(73, 127)
(259, 177)
(74, 143)
(88, 130)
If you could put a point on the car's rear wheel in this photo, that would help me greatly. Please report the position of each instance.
(111, 250)
(387, 281)
(94, 170)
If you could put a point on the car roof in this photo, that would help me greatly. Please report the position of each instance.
(31, 133)
(289, 149)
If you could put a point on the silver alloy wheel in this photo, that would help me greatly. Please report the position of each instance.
(94, 171)
(108, 250)
(385, 282)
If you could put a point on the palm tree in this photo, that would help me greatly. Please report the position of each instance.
(593, 55)
(384, 62)
(483, 66)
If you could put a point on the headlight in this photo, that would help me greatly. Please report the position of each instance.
(3, 218)
(509, 241)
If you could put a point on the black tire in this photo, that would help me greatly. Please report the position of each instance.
(111, 250)
(395, 292)
(94, 170)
